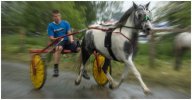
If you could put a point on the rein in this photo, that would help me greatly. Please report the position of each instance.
(131, 27)
(55, 41)
(102, 29)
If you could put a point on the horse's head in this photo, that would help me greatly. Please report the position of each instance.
(142, 17)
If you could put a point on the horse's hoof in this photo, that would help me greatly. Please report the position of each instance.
(110, 86)
(113, 85)
(147, 92)
(77, 82)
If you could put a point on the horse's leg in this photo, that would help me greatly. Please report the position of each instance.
(106, 65)
(112, 83)
(124, 75)
(129, 63)
(178, 58)
(84, 57)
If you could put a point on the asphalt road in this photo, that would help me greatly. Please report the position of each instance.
(16, 84)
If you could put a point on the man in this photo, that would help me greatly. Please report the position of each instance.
(56, 29)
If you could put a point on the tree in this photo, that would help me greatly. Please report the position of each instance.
(11, 13)
(89, 8)
(107, 9)
(34, 16)
(177, 13)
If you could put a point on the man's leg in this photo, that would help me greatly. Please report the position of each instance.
(57, 55)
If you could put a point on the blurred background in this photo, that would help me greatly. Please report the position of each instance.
(24, 26)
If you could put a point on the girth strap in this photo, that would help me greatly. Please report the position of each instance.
(108, 44)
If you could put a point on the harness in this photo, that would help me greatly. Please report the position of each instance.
(109, 32)
(107, 41)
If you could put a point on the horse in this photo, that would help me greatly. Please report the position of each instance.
(182, 43)
(123, 42)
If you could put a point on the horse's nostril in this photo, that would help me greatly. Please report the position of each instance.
(148, 29)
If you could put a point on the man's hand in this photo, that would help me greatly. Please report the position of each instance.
(71, 41)
(52, 38)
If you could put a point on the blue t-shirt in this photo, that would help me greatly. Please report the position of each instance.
(58, 30)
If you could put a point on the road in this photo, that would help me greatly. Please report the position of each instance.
(16, 84)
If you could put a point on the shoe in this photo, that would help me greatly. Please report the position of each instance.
(85, 75)
(56, 72)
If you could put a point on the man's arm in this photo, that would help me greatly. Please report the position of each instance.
(71, 40)
(50, 33)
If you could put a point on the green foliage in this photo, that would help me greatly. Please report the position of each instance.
(89, 9)
(14, 43)
(165, 48)
(178, 13)
(35, 15)
(143, 49)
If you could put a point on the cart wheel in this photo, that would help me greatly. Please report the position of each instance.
(37, 71)
(98, 73)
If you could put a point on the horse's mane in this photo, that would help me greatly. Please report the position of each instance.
(124, 18)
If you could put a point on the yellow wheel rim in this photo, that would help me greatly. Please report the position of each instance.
(98, 73)
(37, 71)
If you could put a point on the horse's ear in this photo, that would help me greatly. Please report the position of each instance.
(134, 5)
(147, 5)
